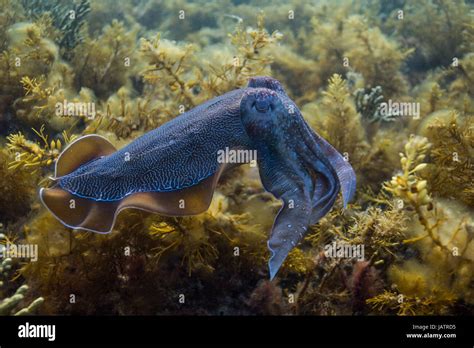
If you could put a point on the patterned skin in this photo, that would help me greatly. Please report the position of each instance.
(296, 165)
(179, 154)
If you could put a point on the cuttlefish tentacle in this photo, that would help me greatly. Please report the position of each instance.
(174, 169)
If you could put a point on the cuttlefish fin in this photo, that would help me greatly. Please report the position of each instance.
(77, 212)
(99, 216)
(81, 151)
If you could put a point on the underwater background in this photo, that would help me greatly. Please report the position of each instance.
(138, 64)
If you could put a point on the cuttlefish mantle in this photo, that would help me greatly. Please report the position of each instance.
(174, 169)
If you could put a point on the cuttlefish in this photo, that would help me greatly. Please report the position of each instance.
(174, 169)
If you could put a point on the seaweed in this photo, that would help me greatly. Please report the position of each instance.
(267, 299)
(368, 102)
(249, 44)
(167, 62)
(196, 249)
(378, 58)
(107, 61)
(11, 13)
(442, 233)
(174, 76)
(29, 53)
(13, 304)
(252, 57)
(390, 301)
(17, 188)
(67, 17)
(124, 115)
(339, 109)
(381, 231)
(35, 155)
(189, 17)
(452, 139)
(433, 28)
(407, 185)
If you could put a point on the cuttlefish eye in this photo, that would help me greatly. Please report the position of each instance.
(264, 101)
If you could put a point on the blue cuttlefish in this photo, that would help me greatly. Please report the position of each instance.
(173, 170)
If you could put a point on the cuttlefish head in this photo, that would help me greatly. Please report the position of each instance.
(262, 108)
(295, 164)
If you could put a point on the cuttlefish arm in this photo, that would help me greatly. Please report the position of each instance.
(294, 217)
